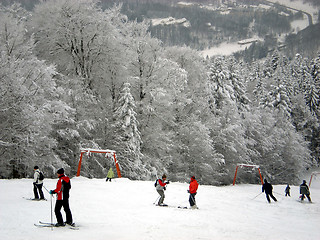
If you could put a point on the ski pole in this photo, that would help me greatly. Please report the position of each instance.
(51, 196)
(156, 200)
(256, 196)
(51, 212)
(48, 191)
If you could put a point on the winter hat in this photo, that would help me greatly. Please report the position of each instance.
(304, 181)
(60, 171)
(36, 167)
(164, 176)
(193, 177)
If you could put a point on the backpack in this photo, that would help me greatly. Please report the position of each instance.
(41, 176)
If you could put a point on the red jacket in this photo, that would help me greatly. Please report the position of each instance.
(63, 187)
(161, 185)
(193, 187)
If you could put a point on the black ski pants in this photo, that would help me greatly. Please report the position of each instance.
(271, 195)
(308, 196)
(66, 208)
(192, 199)
(36, 188)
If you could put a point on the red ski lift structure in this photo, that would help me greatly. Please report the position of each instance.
(241, 165)
(312, 175)
(108, 153)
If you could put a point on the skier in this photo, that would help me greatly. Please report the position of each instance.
(161, 187)
(304, 190)
(37, 184)
(193, 187)
(287, 190)
(267, 188)
(110, 175)
(62, 191)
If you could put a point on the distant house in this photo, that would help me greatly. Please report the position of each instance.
(248, 41)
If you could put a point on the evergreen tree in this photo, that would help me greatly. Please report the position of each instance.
(127, 139)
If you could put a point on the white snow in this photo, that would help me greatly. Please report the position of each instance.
(267, 7)
(298, 4)
(170, 21)
(123, 209)
(88, 150)
(298, 25)
(224, 49)
(185, 4)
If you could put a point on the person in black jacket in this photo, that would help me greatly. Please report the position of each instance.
(267, 188)
(62, 190)
(287, 190)
(304, 190)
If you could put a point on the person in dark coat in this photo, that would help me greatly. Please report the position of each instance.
(62, 191)
(287, 190)
(267, 188)
(304, 190)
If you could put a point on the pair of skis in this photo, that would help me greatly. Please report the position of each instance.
(35, 199)
(165, 205)
(46, 224)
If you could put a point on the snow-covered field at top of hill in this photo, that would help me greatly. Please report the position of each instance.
(297, 25)
(298, 4)
(123, 209)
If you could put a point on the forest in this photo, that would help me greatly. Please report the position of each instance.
(74, 75)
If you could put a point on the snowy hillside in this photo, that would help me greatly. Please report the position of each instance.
(124, 209)
(298, 4)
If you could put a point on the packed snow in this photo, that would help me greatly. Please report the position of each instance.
(298, 4)
(124, 209)
(224, 49)
(170, 21)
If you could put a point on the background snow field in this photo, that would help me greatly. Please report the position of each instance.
(124, 209)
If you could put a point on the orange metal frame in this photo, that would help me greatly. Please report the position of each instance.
(88, 151)
(313, 174)
(247, 165)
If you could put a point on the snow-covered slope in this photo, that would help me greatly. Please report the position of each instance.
(124, 209)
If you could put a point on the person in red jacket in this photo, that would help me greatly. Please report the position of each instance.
(193, 187)
(62, 191)
(160, 187)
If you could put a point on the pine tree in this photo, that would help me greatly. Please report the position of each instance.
(127, 139)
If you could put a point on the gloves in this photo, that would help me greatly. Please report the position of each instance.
(52, 192)
(167, 182)
(188, 191)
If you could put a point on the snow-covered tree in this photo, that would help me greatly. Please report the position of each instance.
(29, 102)
(127, 139)
(72, 36)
